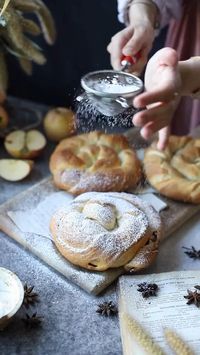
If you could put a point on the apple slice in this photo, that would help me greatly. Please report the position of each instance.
(15, 170)
(25, 145)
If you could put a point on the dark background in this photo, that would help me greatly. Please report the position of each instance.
(84, 28)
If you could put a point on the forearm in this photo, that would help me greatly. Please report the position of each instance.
(143, 12)
(138, 12)
(166, 10)
(190, 77)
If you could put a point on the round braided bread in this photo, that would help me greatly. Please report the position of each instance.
(175, 171)
(95, 162)
(107, 230)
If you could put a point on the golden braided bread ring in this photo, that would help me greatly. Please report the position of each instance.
(95, 162)
(175, 172)
(99, 231)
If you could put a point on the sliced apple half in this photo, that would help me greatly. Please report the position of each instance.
(15, 170)
(25, 145)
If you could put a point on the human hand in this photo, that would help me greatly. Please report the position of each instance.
(129, 42)
(137, 37)
(162, 83)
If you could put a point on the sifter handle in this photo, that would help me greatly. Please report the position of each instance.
(127, 60)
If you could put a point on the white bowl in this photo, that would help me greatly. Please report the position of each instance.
(11, 295)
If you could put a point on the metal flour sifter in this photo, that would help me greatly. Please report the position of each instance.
(111, 92)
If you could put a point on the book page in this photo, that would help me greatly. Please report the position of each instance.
(168, 309)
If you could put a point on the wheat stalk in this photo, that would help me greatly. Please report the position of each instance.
(5, 5)
(141, 336)
(15, 29)
(176, 343)
(26, 65)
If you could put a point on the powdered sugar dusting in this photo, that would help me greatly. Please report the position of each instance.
(104, 214)
(113, 87)
(113, 84)
(82, 232)
(88, 117)
(83, 181)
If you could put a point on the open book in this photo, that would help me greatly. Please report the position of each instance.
(143, 320)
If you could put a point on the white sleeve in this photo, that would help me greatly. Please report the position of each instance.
(168, 9)
(122, 6)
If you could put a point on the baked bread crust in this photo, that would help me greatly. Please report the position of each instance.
(95, 162)
(175, 171)
(98, 231)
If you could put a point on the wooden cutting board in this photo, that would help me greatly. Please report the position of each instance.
(93, 282)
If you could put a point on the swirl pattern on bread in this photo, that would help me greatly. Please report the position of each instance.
(175, 171)
(99, 231)
(95, 162)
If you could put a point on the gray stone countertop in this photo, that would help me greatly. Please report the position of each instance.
(70, 323)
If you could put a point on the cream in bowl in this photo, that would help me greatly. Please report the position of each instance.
(11, 295)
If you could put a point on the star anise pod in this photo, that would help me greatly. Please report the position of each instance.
(192, 252)
(30, 297)
(193, 297)
(32, 321)
(107, 309)
(147, 289)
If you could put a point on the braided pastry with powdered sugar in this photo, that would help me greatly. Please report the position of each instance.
(95, 162)
(99, 231)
